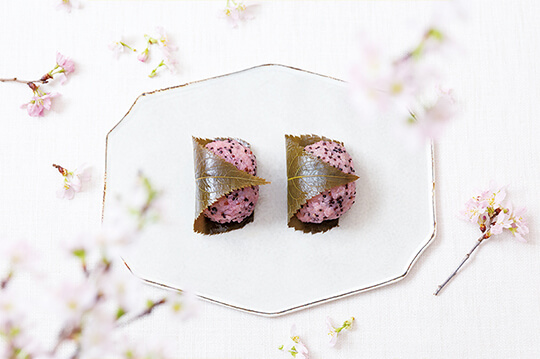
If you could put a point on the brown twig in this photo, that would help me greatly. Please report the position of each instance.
(146, 312)
(467, 256)
(14, 79)
(486, 233)
(4, 282)
(44, 79)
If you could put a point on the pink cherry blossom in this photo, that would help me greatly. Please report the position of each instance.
(12, 313)
(143, 56)
(73, 299)
(488, 208)
(236, 12)
(67, 5)
(495, 195)
(21, 256)
(65, 63)
(117, 48)
(164, 43)
(331, 332)
(483, 206)
(171, 64)
(431, 120)
(394, 88)
(474, 209)
(366, 81)
(294, 345)
(182, 305)
(381, 85)
(518, 226)
(118, 230)
(503, 221)
(89, 305)
(120, 287)
(73, 181)
(40, 102)
(96, 338)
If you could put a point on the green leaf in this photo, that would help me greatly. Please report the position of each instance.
(120, 313)
(307, 176)
(79, 253)
(215, 178)
(436, 34)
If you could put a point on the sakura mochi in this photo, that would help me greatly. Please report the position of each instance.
(333, 203)
(237, 205)
(227, 186)
(320, 182)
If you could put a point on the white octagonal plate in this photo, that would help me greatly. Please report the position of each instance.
(267, 268)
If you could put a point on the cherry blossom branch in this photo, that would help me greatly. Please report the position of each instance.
(4, 282)
(81, 320)
(65, 334)
(146, 312)
(14, 79)
(41, 100)
(493, 216)
(431, 33)
(43, 80)
(467, 256)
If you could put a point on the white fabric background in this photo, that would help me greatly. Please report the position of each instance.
(491, 310)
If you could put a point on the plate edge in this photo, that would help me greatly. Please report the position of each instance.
(299, 307)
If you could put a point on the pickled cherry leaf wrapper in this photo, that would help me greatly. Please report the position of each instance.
(214, 178)
(204, 225)
(307, 176)
(313, 228)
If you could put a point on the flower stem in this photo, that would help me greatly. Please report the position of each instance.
(154, 71)
(486, 235)
(126, 45)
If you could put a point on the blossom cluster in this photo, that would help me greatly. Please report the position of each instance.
(295, 346)
(42, 100)
(490, 211)
(236, 12)
(406, 89)
(333, 332)
(298, 350)
(161, 40)
(88, 308)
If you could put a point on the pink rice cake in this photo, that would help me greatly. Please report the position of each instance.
(335, 202)
(237, 205)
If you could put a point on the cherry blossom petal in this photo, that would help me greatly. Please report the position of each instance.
(65, 63)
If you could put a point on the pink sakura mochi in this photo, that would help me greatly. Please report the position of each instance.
(333, 203)
(237, 205)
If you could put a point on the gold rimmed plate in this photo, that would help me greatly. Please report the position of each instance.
(267, 268)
